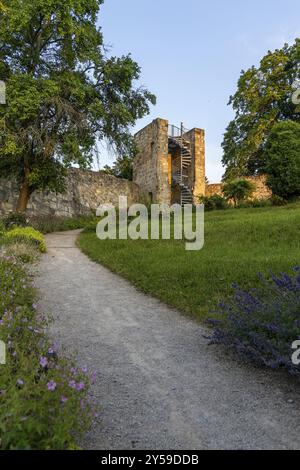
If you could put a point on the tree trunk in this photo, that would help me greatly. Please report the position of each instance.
(23, 195)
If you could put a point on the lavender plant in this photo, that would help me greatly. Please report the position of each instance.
(261, 324)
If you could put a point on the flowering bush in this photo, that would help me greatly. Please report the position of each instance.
(261, 324)
(27, 234)
(43, 396)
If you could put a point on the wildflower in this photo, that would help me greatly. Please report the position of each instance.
(84, 369)
(20, 382)
(80, 386)
(51, 385)
(63, 399)
(43, 361)
(72, 384)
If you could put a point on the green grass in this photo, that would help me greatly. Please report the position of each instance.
(48, 224)
(238, 245)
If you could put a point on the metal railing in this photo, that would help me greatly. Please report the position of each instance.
(175, 131)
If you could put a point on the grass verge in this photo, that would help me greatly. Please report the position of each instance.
(238, 245)
(43, 395)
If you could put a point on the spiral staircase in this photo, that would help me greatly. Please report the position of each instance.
(180, 176)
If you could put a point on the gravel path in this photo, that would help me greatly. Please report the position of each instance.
(159, 385)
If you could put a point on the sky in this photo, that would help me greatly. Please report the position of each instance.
(191, 54)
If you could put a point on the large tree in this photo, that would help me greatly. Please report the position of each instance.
(263, 98)
(122, 167)
(283, 159)
(63, 93)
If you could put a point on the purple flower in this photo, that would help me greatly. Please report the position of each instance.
(72, 384)
(80, 386)
(84, 369)
(20, 382)
(50, 351)
(51, 385)
(43, 361)
(63, 399)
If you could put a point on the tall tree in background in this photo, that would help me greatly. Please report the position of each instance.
(263, 98)
(63, 93)
(122, 167)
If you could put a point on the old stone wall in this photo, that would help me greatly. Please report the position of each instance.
(261, 189)
(150, 169)
(85, 190)
(197, 170)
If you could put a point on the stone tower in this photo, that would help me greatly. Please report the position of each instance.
(170, 165)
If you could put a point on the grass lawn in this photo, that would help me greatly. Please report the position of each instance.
(239, 243)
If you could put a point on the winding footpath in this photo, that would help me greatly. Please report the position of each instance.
(159, 384)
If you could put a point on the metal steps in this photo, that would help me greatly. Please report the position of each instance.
(186, 160)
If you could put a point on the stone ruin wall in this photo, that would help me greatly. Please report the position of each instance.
(261, 189)
(85, 191)
(150, 168)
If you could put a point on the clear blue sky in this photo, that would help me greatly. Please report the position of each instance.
(191, 53)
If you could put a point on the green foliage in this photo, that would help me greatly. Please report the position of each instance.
(14, 219)
(278, 200)
(48, 224)
(261, 324)
(238, 245)
(122, 168)
(2, 228)
(256, 202)
(43, 396)
(283, 159)
(263, 98)
(22, 251)
(63, 93)
(238, 190)
(214, 202)
(27, 234)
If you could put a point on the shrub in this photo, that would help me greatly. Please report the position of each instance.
(262, 324)
(283, 159)
(256, 202)
(278, 200)
(2, 228)
(23, 252)
(15, 219)
(27, 234)
(48, 224)
(238, 190)
(214, 202)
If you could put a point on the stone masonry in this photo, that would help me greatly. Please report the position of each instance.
(85, 190)
(150, 169)
(261, 189)
(155, 177)
(155, 164)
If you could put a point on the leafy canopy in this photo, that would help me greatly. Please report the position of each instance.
(63, 92)
(263, 98)
(238, 190)
(122, 167)
(283, 159)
